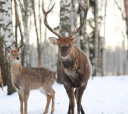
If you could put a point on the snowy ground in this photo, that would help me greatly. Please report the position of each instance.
(107, 95)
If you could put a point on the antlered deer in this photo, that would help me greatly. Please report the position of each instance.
(26, 79)
(1, 81)
(76, 67)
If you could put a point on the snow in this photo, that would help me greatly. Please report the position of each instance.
(103, 95)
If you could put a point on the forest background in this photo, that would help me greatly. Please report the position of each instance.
(104, 37)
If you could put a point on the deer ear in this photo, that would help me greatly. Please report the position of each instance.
(9, 49)
(76, 39)
(21, 48)
(53, 40)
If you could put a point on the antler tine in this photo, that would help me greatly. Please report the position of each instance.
(85, 15)
(45, 18)
(83, 6)
(44, 9)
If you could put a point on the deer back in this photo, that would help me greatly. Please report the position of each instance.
(34, 78)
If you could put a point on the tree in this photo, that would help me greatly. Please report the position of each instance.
(2, 48)
(103, 53)
(8, 39)
(25, 8)
(126, 13)
(96, 42)
(96, 37)
(38, 42)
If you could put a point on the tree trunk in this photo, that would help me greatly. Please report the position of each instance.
(126, 13)
(16, 23)
(19, 25)
(21, 43)
(103, 51)
(16, 43)
(40, 22)
(73, 15)
(38, 44)
(91, 38)
(8, 39)
(96, 37)
(2, 55)
(26, 12)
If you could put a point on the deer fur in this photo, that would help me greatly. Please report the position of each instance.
(1, 81)
(26, 79)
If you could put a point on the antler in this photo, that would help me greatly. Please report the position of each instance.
(45, 19)
(85, 15)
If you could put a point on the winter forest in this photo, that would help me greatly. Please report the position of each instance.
(104, 39)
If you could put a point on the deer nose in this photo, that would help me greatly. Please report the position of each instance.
(64, 55)
(18, 58)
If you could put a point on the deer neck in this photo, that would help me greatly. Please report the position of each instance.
(16, 69)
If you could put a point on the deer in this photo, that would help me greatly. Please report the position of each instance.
(26, 79)
(1, 81)
(75, 65)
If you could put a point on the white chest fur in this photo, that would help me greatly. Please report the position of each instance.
(70, 72)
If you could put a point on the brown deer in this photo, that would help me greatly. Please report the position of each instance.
(26, 79)
(1, 81)
(76, 67)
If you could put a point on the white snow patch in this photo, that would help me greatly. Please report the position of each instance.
(103, 95)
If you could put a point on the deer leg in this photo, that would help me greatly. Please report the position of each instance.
(21, 103)
(26, 95)
(70, 92)
(53, 101)
(78, 94)
(47, 105)
(69, 108)
(82, 111)
(51, 94)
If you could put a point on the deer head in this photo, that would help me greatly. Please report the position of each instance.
(65, 44)
(15, 55)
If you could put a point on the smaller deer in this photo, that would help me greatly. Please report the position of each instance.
(26, 79)
(1, 81)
